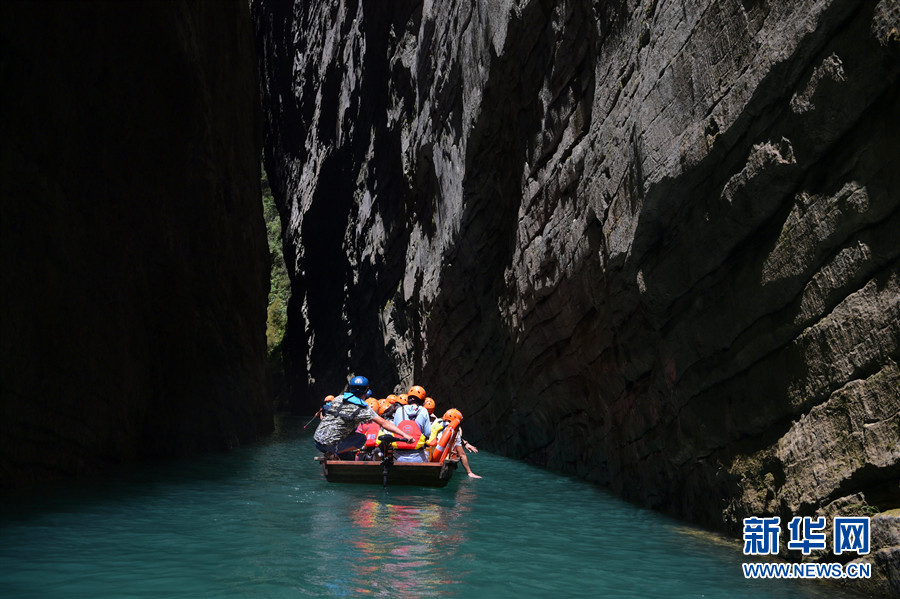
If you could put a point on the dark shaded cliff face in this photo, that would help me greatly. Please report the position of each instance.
(134, 260)
(649, 243)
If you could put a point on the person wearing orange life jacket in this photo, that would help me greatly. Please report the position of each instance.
(413, 419)
(430, 406)
(458, 443)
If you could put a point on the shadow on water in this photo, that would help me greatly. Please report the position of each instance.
(145, 479)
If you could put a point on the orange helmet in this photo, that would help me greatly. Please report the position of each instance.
(373, 403)
(383, 404)
(392, 399)
(417, 391)
(453, 413)
(429, 405)
(328, 398)
(402, 399)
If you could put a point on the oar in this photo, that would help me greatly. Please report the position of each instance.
(387, 459)
(316, 415)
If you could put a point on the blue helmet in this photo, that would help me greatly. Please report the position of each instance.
(358, 385)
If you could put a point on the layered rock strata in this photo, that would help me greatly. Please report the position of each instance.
(134, 258)
(650, 243)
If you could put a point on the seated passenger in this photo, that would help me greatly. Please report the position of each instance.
(457, 449)
(413, 419)
(392, 406)
(429, 405)
(383, 406)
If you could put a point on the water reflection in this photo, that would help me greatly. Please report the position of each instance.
(404, 542)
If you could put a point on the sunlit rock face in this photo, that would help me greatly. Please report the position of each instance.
(134, 261)
(653, 244)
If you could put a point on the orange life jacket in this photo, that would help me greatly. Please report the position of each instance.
(445, 444)
(370, 430)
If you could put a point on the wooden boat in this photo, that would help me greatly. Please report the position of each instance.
(386, 472)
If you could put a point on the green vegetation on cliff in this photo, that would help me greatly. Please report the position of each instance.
(279, 284)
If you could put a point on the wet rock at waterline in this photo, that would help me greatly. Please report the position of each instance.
(648, 243)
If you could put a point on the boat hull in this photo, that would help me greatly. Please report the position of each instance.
(420, 474)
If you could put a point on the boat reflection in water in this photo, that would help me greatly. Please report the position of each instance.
(407, 544)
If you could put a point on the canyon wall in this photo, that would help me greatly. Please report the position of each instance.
(649, 243)
(134, 257)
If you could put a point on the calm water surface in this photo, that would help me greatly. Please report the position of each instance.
(262, 522)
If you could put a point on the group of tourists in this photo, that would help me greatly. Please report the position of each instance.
(351, 424)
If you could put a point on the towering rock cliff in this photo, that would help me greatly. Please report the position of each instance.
(651, 243)
(134, 259)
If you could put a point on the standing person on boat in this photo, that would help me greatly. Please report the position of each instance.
(413, 419)
(337, 434)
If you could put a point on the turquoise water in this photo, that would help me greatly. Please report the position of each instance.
(262, 522)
